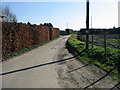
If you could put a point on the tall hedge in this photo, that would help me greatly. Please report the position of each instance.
(16, 36)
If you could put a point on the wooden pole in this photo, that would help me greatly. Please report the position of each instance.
(87, 25)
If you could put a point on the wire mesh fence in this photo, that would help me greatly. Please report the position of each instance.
(103, 38)
(109, 41)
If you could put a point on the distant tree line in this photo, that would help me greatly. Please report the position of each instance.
(69, 31)
(47, 24)
(99, 31)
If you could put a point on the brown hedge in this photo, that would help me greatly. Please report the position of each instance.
(16, 36)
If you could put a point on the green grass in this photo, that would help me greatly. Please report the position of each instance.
(114, 40)
(96, 55)
(24, 50)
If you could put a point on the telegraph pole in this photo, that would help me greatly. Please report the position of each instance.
(67, 25)
(87, 25)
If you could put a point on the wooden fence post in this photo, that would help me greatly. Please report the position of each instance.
(105, 40)
(92, 39)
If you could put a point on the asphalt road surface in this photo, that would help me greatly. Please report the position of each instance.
(51, 66)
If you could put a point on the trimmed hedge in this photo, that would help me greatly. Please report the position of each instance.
(16, 36)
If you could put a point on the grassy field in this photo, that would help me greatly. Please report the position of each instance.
(96, 55)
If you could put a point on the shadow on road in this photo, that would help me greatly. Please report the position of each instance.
(24, 69)
(100, 78)
(40, 65)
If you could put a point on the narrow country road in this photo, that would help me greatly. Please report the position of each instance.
(39, 77)
(51, 66)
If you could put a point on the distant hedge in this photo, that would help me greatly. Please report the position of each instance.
(16, 36)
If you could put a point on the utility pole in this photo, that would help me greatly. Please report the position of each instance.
(67, 25)
(87, 25)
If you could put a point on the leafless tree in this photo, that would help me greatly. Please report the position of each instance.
(9, 16)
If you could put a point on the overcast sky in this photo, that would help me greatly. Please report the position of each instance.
(60, 12)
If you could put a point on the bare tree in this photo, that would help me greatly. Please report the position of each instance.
(9, 16)
(14, 18)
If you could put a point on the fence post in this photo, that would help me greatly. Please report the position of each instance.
(105, 39)
(92, 39)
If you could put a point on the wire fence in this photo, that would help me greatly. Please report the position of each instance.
(102, 39)
(108, 41)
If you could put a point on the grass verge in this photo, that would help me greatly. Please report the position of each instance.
(24, 50)
(96, 55)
